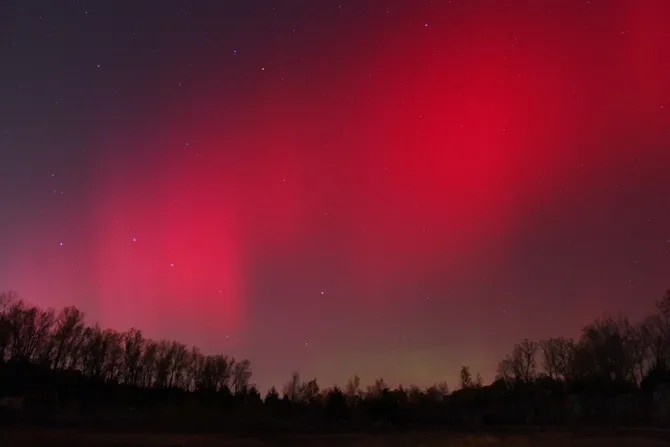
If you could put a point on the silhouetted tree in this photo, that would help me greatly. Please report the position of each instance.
(272, 396)
(435, 392)
(505, 371)
(44, 352)
(29, 331)
(132, 345)
(293, 388)
(241, 374)
(523, 360)
(377, 388)
(309, 392)
(465, 378)
(336, 406)
(549, 349)
(353, 390)
(69, 330)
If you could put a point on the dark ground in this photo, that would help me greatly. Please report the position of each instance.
(506, 437)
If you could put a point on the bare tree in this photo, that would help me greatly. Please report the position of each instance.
(658, 326)
(64, 341)
(6, 298)
(149, 364)
(5, 337)
(133, 344)
(602, 350)
(465, 378)
(223, 370)
(112, 367)
(353, 387)
(29, 330)
(210, 373)
(523, 360)
(637, 350)
(178, 366)
(68, 332)
(5, 327)
(663, 310)
(309, 392)
(164, 353)
(377, 388)
(563, 355)
(241, 374)
(648, 346)
(549, 350)
(92, 351)
(505, 371)
(292, 388)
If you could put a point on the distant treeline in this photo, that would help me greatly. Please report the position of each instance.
(57, 370)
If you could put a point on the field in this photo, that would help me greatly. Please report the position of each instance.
(62, 438)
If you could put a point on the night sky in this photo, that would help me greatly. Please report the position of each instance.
(389, 188)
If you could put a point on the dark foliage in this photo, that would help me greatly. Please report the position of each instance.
(57, 370)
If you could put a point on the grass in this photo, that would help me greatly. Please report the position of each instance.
(62, 438)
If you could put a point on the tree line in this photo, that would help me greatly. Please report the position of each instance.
(57, 369)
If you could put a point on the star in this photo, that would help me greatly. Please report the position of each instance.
(171, 264)
(60, 243)
(134, 240)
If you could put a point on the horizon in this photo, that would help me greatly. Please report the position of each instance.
(540, 371)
